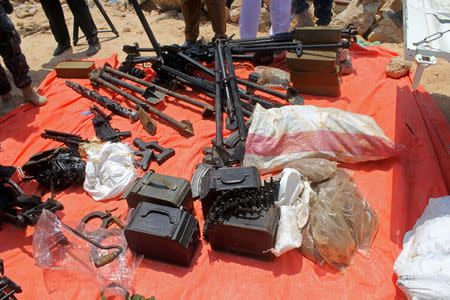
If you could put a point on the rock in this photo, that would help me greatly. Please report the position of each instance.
(387, 31)
(171, 14)
(126, 29)
(166, 5)
(19, 23)
(394, 5)
(235, 14)
(236, 4)
(227, 14)
(358, 12)
(264, 21)
(23, 11)
(398, 67)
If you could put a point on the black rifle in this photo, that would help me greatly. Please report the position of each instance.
(72, 141)
(103, 129)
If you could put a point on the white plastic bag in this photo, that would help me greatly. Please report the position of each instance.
(292, 212)
(109, 170)
(278, 136)
(423, 266)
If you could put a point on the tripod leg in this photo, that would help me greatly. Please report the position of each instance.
(108, 20)
(75, 31)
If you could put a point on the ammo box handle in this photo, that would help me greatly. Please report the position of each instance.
(251, 210)
(170, 186)
(160, 211)
(234, 181)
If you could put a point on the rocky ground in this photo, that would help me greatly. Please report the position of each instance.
(38, 43)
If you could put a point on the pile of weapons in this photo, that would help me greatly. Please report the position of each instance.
(16, 207)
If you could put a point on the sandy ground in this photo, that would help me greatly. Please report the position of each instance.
(38, 44)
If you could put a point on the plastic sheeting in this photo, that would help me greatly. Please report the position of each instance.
(397, 188)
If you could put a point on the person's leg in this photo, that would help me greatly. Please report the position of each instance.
(16, 63)
(249, 19)
(191, 14)
(81, 13)
(55, 16)
(322, 11)
(5, 87)
(216, 13)
(301, 13)
(280, 16)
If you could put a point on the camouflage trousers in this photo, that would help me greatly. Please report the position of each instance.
(12, 56)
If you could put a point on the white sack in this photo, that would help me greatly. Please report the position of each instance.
(278, 136)
(288, 235)
(423, 266)
(109, 170)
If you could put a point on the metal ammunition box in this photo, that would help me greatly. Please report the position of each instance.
(252, 232)
(160, 189)
(74, 69)
(312, 61)
(330, 90)
(312, 35)
(223, 179)
(164, 233)
(316, 78)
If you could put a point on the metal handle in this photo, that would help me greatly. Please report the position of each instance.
(170, 186)
(160, 211)
(233, 181)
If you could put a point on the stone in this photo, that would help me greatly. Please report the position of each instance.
(235, 14)
(227, 14)
(358, 12)
(166, 5)
(394, 5)
(264, 21)
(236, 4)
(25, 10)
(387, 31)
(19, 23)
(398, 67)
(126, 29)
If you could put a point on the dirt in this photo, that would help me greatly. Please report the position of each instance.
(38, 44)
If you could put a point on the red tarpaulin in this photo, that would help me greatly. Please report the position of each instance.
(398, 189)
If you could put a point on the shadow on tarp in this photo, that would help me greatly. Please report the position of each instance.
(422, 171)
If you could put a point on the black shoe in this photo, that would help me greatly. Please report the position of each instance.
(93, 49)
(60, 49)
(188, 43)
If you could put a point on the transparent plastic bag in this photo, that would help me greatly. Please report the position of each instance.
(332, 236)
(345, 195)
(273, 77)
(340, 223)
(315, 169)
(58, 248)
(308, 249)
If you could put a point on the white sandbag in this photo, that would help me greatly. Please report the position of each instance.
(278, 136)
(109, 170)
(423, 266)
